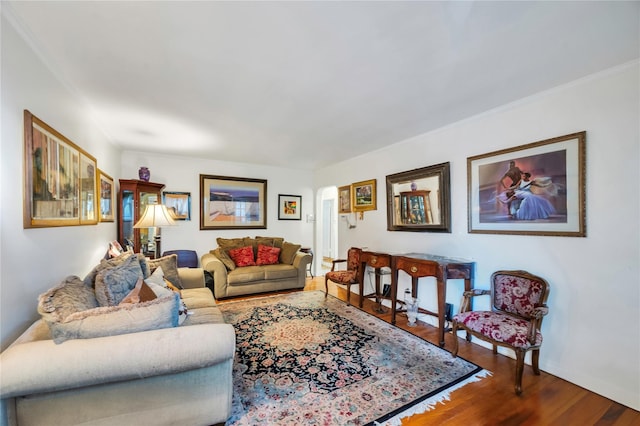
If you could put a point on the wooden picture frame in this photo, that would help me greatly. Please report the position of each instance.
(344, 199)
(232, 203)
(61, 179)
(363, 195)
(107, 197)
(418, 200)
(289, 207)
(178, 204)
(532, 189)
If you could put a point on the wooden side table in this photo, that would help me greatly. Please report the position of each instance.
(419, 265)
(377, 261)
(310, 265)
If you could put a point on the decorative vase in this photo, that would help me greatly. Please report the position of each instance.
(414, 186)
(412, 310)
(144, 174)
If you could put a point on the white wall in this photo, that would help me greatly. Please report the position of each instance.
(33, 260)
(591, 335)
(182, 174)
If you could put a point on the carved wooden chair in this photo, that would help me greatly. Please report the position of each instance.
(347, 277)
(518, 306)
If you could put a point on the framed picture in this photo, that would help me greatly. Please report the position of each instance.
(107, 197)
(344, 199)
(533, 189)
(232, 203)
(178, 204)
(418, 200)
(289, 207)
(60, 184)
(363, 195)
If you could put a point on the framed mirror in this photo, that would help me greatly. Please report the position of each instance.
(418, 200)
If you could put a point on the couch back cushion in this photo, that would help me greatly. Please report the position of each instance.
(288, 252)
(113, 284)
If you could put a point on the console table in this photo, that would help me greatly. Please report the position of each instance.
(419, 265)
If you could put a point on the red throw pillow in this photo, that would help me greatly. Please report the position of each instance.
(267, 255)
(242, 256)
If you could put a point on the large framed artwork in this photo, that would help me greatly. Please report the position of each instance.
(289, 207)
(363, 195)
(178, 204)
(107, 197)
(60, 185)
(232, 203)
(532, 189)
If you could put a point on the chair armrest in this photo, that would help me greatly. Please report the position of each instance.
(191, 277)
(335, 262)
(536, 318)
(467, 295)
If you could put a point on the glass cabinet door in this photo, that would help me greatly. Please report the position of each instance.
(133, 198)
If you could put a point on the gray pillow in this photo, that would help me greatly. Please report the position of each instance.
(113, 284)
(70, 296)
(288, 252)
(169, 266)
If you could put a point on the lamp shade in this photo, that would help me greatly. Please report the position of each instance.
(155, 216)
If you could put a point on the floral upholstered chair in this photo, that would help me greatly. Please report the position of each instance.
(346, 277)
(518, 305)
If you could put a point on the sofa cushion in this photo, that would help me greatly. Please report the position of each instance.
(140, 293)
(247, 275)
(242, 256)
(288, 252)
(225, 243)
(279, 272)
(270, 241)
(267, 255)
(113, 284)
(224, 258)
(71, 312)
(169, 266)
(70, 296)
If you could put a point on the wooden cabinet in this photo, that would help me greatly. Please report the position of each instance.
(415, 208)
(133, 198)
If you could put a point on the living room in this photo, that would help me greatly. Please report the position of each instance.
(591, 333)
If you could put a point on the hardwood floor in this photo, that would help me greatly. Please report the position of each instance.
(545, 399)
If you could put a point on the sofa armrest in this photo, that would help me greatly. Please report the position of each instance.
(42, 366)
(215, 266)
(301, 260)
(191, 277)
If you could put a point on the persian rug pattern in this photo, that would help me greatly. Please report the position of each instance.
(302, 358)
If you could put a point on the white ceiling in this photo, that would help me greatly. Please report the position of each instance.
(307, 84)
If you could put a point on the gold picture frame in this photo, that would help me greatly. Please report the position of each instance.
(364, 195)
(107, 197)
(344, 199)
(61, 179)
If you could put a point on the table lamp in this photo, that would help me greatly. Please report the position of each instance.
(155, 216)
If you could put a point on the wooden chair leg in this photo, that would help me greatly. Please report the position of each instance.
(535, 357)
(326, 286)
(519, 370)
(454, 331)
(348, 294)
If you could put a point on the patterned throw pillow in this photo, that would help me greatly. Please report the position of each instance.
(140, 293)
(268, 255)
(242, 256)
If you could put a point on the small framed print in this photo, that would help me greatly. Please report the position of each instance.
(178, 204)
(532, 189)
(344, 199)
(289, 207)
(364, 195)
(107, 197)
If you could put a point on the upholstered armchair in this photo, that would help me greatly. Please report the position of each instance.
(347, 277)
(518, 306)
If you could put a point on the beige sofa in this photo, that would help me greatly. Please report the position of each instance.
(179, 375)
(289, 273)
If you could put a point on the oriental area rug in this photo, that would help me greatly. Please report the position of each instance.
(303, 359)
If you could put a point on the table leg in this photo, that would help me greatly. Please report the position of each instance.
(394, 295)
(442, 295)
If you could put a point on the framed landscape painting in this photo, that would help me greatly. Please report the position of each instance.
(232, 203)
(532, 189)
(363, 195)
(178, 204)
